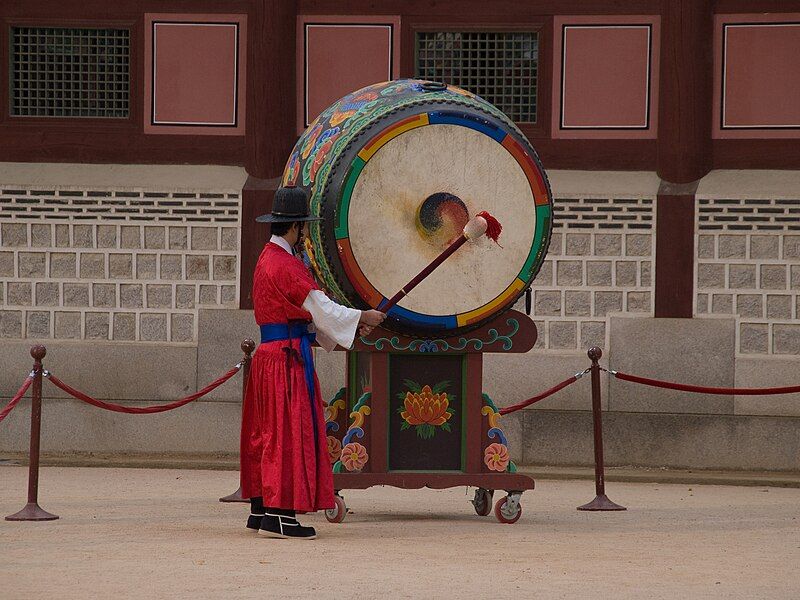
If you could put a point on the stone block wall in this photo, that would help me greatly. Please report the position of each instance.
(600, 262)
(748, 266)
(115, 263)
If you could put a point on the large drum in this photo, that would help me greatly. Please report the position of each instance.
(397, 169)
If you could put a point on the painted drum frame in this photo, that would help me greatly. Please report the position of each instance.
(331, 154)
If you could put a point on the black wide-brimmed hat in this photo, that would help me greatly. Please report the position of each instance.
(289, 205)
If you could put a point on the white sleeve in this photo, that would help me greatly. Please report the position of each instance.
(335, 324)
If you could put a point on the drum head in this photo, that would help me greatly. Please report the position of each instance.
(398, 189)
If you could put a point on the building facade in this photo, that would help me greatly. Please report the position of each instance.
(139, 140)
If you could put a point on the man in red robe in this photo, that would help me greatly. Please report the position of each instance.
(284, 456)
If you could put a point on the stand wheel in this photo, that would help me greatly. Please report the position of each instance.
(337, 515)
(483, 501)
(508, 509)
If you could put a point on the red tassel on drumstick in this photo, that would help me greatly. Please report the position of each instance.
(482, 224)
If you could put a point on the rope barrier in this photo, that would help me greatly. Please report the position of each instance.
(15, 400)
(543, 395)
(145, 409)
(700, 389)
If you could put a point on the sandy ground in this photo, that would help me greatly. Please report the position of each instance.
(146, 533)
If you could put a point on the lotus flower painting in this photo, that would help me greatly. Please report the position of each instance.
(426, 408)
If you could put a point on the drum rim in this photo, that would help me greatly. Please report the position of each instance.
(327, 181)
(541, 197)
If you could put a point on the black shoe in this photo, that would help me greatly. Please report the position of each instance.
(254, 521)
(257, 511)
(281, 526)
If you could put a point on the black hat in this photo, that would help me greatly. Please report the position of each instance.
(289, 204)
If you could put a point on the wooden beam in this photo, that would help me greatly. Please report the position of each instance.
(270, 123)
(684, 116)
(271, 86)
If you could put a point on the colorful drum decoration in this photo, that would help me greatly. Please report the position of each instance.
(397, 169)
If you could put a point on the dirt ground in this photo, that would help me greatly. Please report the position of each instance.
(147, 533)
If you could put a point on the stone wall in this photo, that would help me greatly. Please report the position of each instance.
(600, 259)
(596, 288)
(748, 259)
(110, 261)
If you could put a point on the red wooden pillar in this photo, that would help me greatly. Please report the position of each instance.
(475, 419)
(684, 147)
(379, 416)
(271, 122)
(674, 269)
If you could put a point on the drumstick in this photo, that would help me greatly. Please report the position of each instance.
(483, 223)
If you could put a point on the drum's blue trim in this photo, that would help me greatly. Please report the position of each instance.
(476, 123)
(409, 317)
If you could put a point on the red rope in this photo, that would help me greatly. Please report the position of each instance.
(15, 400)
(146, 409)
(542, 396)
(706, 390)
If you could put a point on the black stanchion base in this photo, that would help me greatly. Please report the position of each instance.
(32, 512)
(234, 497)
(601, 502)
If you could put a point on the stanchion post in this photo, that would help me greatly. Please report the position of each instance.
(248, 346)
(32, 510)
(601, 501)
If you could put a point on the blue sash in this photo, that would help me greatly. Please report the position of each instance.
(271, 332)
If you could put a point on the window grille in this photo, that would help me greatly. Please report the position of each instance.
(64, 72)
(500, 67)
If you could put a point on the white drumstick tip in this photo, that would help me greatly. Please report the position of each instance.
(475, 228)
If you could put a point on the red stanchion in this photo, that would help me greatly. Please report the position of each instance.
(17, 397)
(248, 346)
(700, 389)
(601, 501)
(543, 395)
(32, 510)
(144, 410)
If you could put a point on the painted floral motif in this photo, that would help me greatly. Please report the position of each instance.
(334, 449)
(496, 457)
(308, 256)
(332, 411)
(321, 148)
(311, 140)
(350, 105)
(440, 345)
(292, 170)
(426, 408)
(354, 456)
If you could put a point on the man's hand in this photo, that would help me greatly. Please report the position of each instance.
(371, 318)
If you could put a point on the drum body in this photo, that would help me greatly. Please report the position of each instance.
(396, 170)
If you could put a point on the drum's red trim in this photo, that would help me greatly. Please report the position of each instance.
(529, 167)
(376, 143)
(356, 275)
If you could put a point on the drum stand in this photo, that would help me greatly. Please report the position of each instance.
(413, 414)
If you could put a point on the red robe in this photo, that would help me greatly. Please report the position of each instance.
(279, 459)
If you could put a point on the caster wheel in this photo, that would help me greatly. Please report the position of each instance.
(507, 511)
(337, 515)
(483, 501)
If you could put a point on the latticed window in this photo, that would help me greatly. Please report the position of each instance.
(64, 72)
(501, 67)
